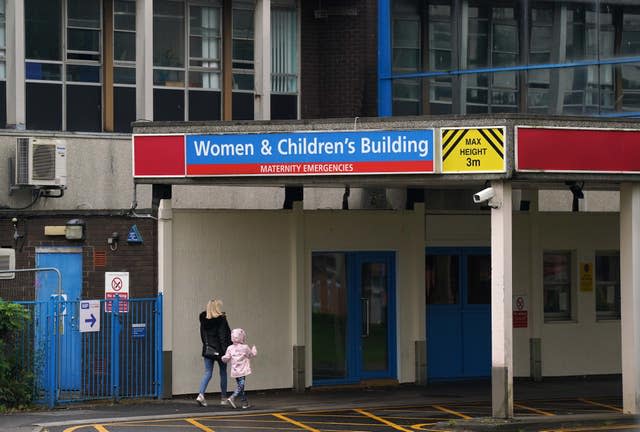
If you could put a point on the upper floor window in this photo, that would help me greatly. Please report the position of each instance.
(557, 282)
(3, 40)
(607, 285)
(187, 60)
(63, 64)
(284, 63)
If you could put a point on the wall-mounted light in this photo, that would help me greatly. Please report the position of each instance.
(74, 229)
(578, 194)
(113, 241)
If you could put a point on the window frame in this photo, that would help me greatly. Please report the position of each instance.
(607, 315)
(559, 316)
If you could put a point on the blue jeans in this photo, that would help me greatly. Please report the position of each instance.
(240, 389)
(208, 371)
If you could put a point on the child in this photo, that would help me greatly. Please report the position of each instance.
(239, 353)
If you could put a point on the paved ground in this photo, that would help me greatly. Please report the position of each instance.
(568, 405)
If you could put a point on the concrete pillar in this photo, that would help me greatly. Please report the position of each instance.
(144, 60)
(262, 106)
(298, 300)
(501, 299)
(630, 295)
(16, 107)
(418, 239)
(536, 304)
(165, 287)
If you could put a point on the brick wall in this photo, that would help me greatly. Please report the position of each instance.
(97, 257)
(338, 59)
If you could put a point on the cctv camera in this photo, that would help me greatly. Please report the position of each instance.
(484, 195)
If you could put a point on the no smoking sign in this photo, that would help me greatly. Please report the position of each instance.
(116, 283)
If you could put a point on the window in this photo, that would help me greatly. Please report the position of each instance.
(557, 286)
(442, 273)
(63, 64)
(493, 42)
(284, 66)
(407, 57)
(607, 285)
(3, 69)
(243, 61)
(187, 60)
(124, 64)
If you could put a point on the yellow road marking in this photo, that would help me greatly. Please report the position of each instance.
(448, 411)
(611, 407)
(97, 427)
(593, 428)
(381, 420)
(535, 410)
(297, 423)
(198, 425)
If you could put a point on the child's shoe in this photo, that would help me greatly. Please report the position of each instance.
(231, 402)
(246, 405)
(223, 401)
(201, 401)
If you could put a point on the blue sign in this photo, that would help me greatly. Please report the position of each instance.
(138, 330)
(311, 153)
(134, 235)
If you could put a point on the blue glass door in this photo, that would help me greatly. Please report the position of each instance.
(353, 316)
(458, 284)
(69, 262)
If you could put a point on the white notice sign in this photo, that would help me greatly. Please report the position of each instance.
(89, 316)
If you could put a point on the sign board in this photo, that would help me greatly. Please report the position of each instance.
(586, 276)
(134, 235)
(473, 150)
(89, 316)
(615, 151)
(520, 312)
(285, 154)
(116, 283)
(138, 330)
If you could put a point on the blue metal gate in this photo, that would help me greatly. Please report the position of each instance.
(123, 359)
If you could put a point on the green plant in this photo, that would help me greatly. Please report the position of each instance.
(16, 380)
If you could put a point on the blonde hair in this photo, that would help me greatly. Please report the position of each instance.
(214, 309)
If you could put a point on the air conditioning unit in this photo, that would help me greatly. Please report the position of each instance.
(41, 162)
(7, 262)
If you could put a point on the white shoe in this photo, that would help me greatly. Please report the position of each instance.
(223, 401)
(231, 402)
(201, 401)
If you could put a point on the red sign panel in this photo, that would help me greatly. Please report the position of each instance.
(577, 150)
(158, 156)
(520, 319)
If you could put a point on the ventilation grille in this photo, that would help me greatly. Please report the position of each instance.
(99, 259)
(44, 162)
(22, 163)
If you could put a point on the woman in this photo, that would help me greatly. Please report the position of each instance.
(215, 332)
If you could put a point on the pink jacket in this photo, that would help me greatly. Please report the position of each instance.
(239, 353)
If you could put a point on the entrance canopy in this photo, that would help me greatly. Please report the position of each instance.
(415, 152)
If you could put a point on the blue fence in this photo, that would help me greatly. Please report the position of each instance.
(112, 351)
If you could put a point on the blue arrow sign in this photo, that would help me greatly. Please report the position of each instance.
(91, 320)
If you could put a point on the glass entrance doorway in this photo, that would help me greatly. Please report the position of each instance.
(353, 316)
(458, 284)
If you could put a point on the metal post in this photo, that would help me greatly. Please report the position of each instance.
(115, 348)
(158, 344)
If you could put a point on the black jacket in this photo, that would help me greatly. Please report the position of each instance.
(215, 332)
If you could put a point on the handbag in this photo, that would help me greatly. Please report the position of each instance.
(209, 351)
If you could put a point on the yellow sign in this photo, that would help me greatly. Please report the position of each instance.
(586, 276)
(472, 149)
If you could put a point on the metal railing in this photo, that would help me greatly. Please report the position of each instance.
(116, 352)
